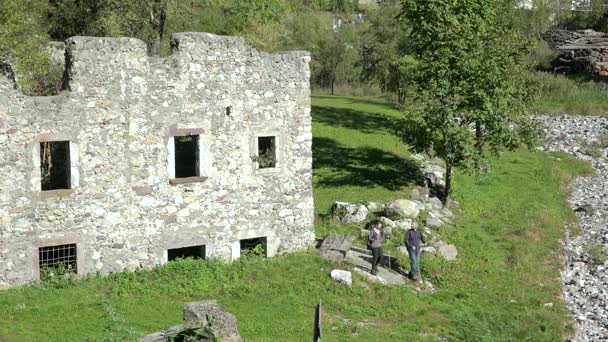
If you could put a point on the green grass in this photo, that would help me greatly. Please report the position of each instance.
(356, 152)
(571, 95)
(508, 267)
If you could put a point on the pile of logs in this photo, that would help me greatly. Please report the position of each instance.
(580, 51)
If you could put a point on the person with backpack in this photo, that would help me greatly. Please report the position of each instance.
(413, 240)
(375, 244)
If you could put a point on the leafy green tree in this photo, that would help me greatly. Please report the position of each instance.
(594, 17)
(471, 82)
(22, 40)
(331, 53)
(384, 51)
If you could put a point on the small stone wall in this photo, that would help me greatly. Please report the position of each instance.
(121, 112)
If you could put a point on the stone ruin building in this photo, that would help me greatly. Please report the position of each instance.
(141, 160)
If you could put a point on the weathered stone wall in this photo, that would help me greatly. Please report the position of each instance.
(120, 112)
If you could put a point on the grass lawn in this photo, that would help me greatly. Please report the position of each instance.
(572, 95)
(508, 267)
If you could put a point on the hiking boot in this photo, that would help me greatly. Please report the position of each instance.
(374, 271)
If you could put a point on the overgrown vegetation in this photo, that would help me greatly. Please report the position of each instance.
(507, 235)
(561, 95)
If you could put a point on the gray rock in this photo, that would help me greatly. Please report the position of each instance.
(387, 231)
(374, 206)
(448, 252)
(401, 207)
(402, 250)
(349, 213)
(435, 203)
(418, 157)
(447, 213)
(386, 222)
(433, 222)
(343, 277)
(203, 321)
(428, 250)
(404, 224)
(421, 205)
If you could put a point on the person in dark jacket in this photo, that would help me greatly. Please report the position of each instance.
(375, 242)
(413, 240)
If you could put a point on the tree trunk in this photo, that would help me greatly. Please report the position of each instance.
(478, 137)
(158, 14)
(332, 85)
(448, 184)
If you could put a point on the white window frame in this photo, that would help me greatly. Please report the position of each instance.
(277, 156)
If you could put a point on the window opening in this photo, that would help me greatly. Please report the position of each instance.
(186, 156)
(57, 260)
(55, 165)
(254, 247)
(195, 252)
(266, 152)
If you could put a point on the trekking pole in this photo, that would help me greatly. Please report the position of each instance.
(389, 254)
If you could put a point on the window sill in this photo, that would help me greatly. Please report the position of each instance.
(187, 180)
(268, 170)
(60, 193)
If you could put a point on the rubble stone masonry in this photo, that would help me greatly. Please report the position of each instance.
(120, 113)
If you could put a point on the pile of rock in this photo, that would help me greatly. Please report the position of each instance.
(584, 50)
(585, 281)
(203, 321)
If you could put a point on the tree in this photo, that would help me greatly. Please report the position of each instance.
(331, 53)
(384, 51)
(22, 40)
(471, 82)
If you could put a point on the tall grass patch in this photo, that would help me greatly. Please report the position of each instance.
(571, 95)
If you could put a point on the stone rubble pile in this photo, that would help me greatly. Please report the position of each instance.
(203, 321)
(584, 278)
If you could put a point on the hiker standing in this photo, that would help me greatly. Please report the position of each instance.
(375, 241)
(413, 239)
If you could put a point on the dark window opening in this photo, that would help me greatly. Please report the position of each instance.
(254, 247)
(57, 260)
(55, 165)
(266, 152)
(195, 252)
(186, 156)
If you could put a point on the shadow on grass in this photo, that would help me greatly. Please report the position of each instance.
(353, 119)
(363, 166)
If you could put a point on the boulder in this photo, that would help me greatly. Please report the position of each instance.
(203, 321)
(387, 231)
(447, 213)
(435, 203)
(343, 277)
(334, 247)
(374, 206)
(349, 213)
(401, 207)
(421, 205)
(428, 250)
(402, 250)
(404, 224)
(386, 222)
(433, 176)
(433, 222)
(448, 252)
